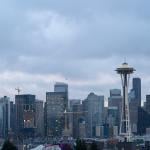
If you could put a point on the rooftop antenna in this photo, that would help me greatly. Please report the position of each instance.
(18, 90)
(125, 59)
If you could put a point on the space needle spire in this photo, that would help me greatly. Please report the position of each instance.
(125, 128)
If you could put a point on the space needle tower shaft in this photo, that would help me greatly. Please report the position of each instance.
(125, 128)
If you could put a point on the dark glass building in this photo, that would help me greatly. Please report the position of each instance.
(25, 115)
(135, 102)
(137, 90)
(143, 121)
(148, 103)
(4, 117)
(56, 104)
(12, 117)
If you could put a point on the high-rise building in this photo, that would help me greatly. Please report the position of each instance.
(39, 113)
(94, 105)
(113, 118)
(61, 87)
(73, 118)
(78, 121)
(115, 92)
(143, 121)
(134, 103)
(136, 83)
(73, 102)
(148, 103)
(4, 116)
(12, 117)
(115, 100)
(25, 114)
(56, 104)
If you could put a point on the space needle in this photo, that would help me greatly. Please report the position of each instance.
(125, 129)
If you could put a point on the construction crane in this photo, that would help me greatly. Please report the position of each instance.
(18, 90)
(67, 113)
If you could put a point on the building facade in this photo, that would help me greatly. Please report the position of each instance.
(78, 121)
(135, 102)
(12, 117)
(147, 104)
(143, 121)
(25, 115)
(39, 115)
(94, 105)
(56, 104)
(4, 117)
(115, 101)
(136, 83)
(113, 118)
(62, 87)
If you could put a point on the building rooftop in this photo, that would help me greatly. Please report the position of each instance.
(60, 83)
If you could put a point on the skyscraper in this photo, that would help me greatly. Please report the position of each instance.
(73, 102)
(25, 114)
(12, 117)
(61, 87)
(56, 104)
(137, 89)
(143, 121)
(148, 103)
(135, 102)
(94, 105)
(39, 113)
(78, 121)
(115, 100)
(75, 106)
(113, 118)
(4, 116)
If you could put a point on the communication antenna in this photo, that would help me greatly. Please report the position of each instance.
(124, 59)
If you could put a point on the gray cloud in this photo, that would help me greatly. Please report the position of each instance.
(77, 40)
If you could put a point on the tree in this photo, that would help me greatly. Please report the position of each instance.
(66, 147)
(80, 145)
(9, 146)
(94, 146)
(83, 145)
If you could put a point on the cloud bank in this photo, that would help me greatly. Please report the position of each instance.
(78, 42)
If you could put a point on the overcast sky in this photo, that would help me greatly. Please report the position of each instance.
(80, 42)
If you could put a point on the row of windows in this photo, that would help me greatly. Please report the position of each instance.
(28, 107)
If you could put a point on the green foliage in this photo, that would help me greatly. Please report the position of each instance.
(8, 146)
(80, 145)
